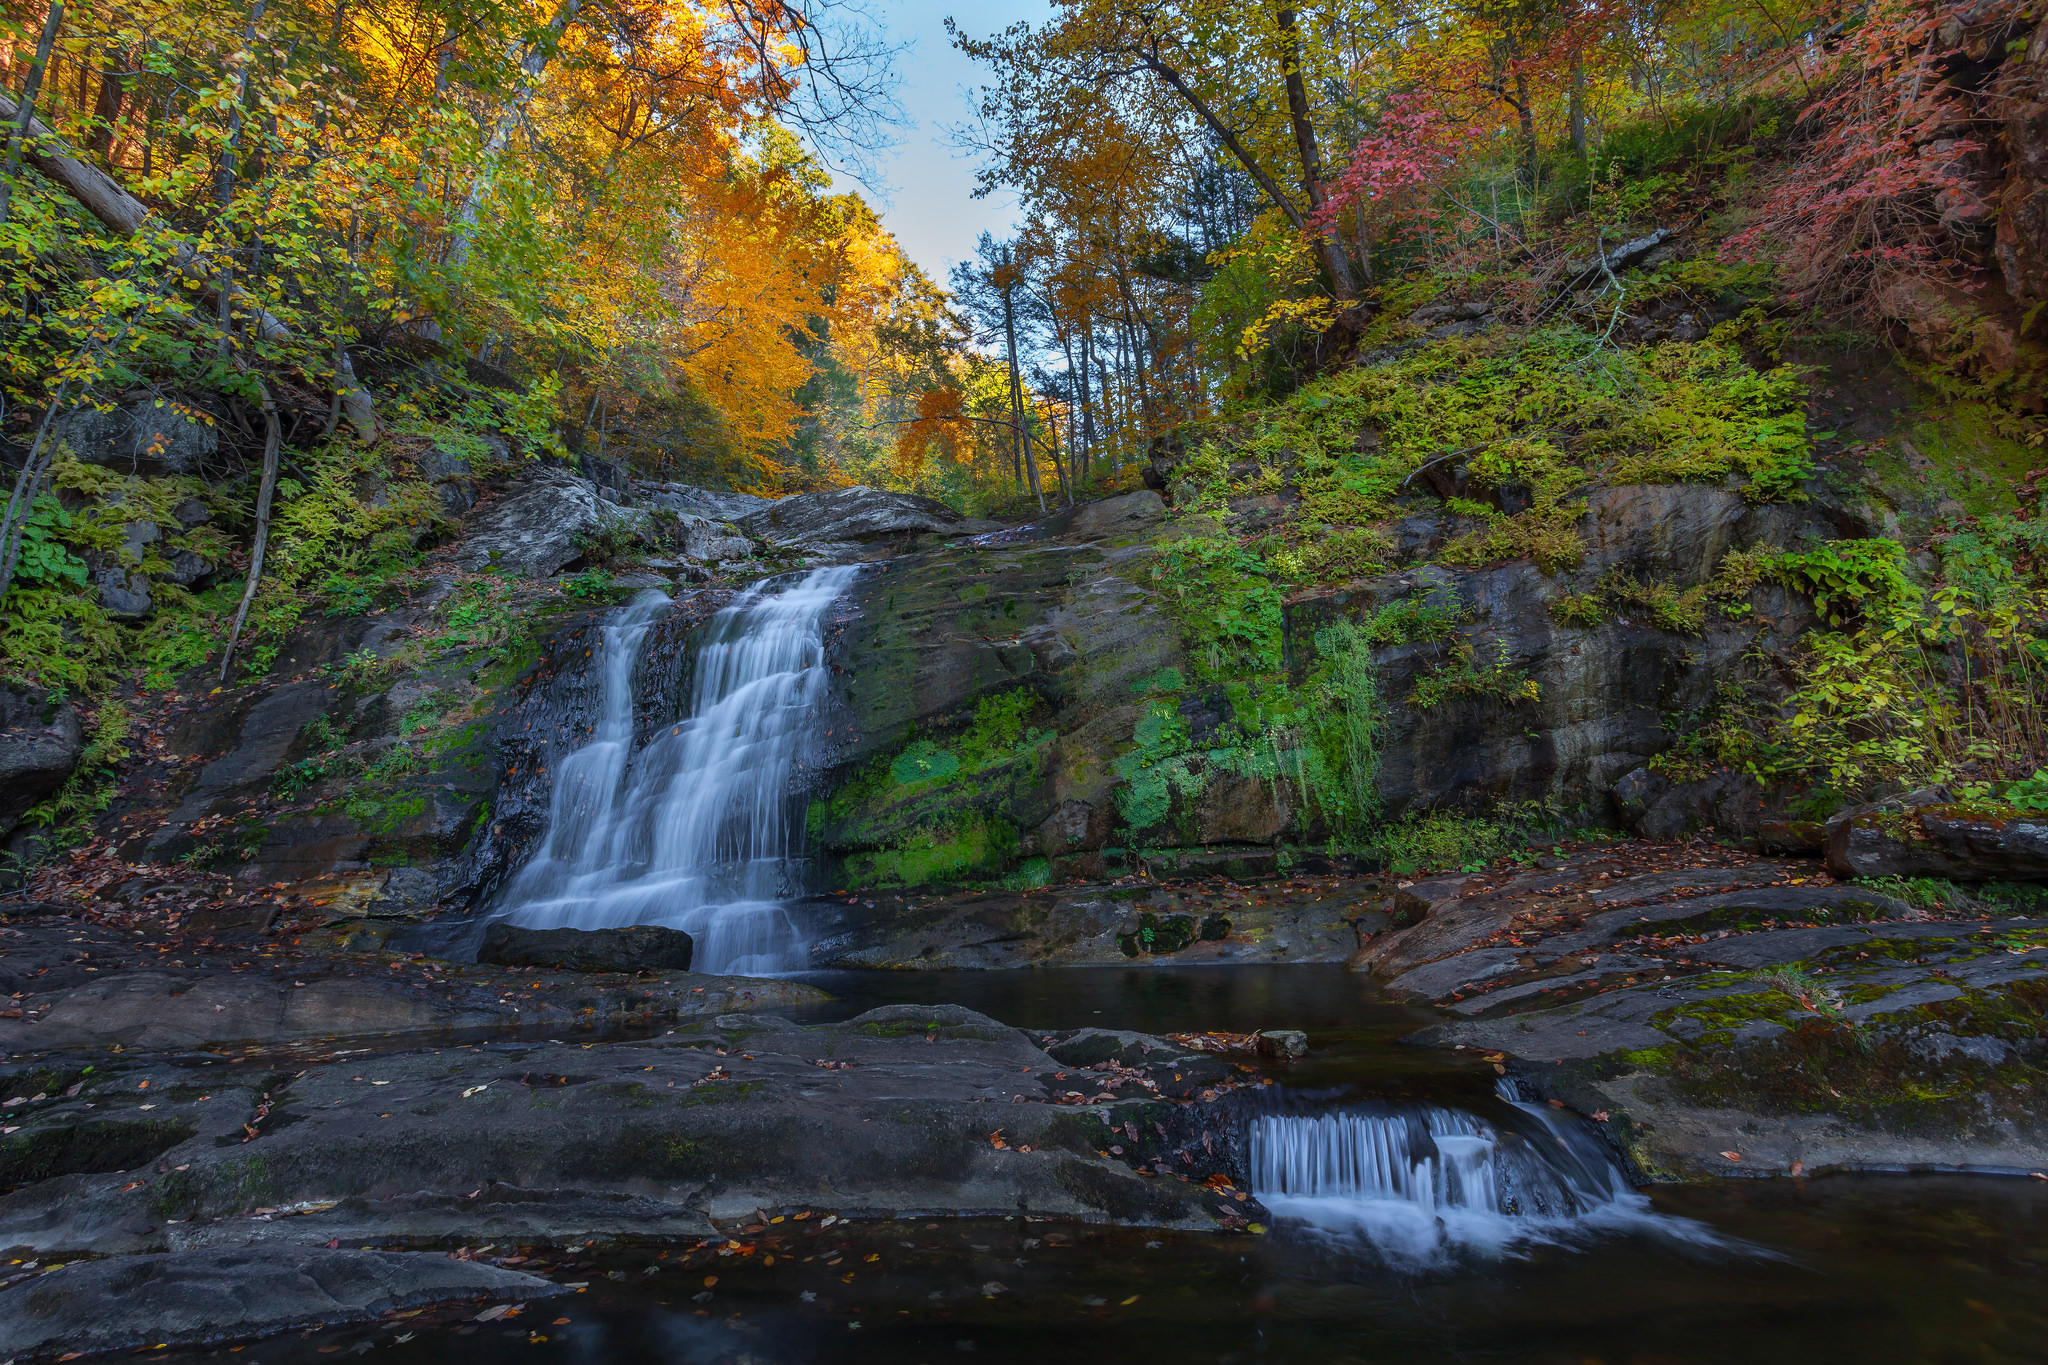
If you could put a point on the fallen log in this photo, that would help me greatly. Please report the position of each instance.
(125, 214)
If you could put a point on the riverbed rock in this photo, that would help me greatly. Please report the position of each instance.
(636, 948)
(76, 984)
(1754, 1006)
(926, 1109)
(40, 740)
(539, 526)
(202, 1297)
(1928, 834)
(710, 542)
(1191, 922)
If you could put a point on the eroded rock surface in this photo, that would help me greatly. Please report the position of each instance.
(851, 523)
(639, 947)
(907, 1109)
(198, 1297)
(1756, 1008)
(538, 527)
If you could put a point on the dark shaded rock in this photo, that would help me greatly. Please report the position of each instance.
(195, 1297)
(1205, 922)
(124, 592)
(406, 892)
(1655, 807)
(1922, 834)
(40, 740)
(840, 521)
(136, 538)
(639, 947)
(188, 570)
(538, 527)
(191, 512)
(142, 438)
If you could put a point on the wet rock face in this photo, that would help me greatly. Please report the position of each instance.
(1047, 626)
(538, 526)
(40, 740)
(641, 947)
(849, 523)
(196, 1297)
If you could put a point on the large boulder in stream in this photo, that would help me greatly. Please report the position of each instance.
(635, 948)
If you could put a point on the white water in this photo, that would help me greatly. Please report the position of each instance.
(1423, 1183)
(698, 829)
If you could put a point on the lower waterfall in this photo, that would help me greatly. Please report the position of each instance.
(697, 830)
(1421, 1182)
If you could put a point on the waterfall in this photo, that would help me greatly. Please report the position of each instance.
(698, 829)
(1420, 1182)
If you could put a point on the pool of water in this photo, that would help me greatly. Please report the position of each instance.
(1851, 1268)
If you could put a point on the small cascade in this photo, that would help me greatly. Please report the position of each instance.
(1422, 1182)
(698, 829)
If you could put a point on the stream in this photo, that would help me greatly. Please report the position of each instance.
(1422, 1209)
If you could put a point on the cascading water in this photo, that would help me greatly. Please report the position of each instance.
(698, 829)
(1422, 1182)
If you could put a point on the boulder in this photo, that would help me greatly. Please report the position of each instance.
(709, 503)
(709, 541)
(639, 947)
(1925, 834)
(191, 1297)
(841, 521)
(39, 745)
(142, 438)
(538, 527)
(124, 592)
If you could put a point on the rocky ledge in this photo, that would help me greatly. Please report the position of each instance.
(1754, 1017)
(906, 1109)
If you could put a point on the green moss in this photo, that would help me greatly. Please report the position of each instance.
(974, 847)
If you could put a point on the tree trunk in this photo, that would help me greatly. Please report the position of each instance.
(124, 213)
(25, 120)
(1578, 105)
(265, 492)
(1329, 247)
(1024, 455)
(462, 235)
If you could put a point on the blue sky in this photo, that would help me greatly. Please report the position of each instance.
(927, 195)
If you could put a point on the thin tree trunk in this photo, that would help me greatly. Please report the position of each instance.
(1578, 105)
(265, 492)
(462, 236)
(24, 119)
(1025, 456)
(1328, 245)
